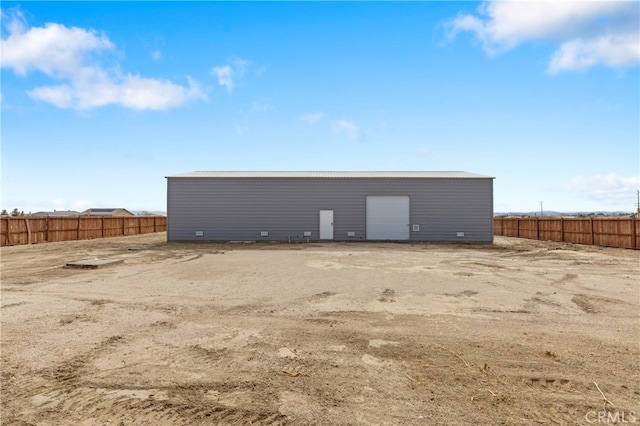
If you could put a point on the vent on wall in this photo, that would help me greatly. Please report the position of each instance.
(351, 234)
(199, 233)
(264, 233)
(459, 234)
(415, 228)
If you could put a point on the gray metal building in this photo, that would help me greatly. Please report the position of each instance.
(342, 206)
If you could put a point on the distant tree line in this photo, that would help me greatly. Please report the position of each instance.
(14, 212)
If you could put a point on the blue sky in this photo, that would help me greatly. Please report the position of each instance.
(101, 101)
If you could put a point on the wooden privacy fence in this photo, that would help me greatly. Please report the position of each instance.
(33, 229)
(600, 231)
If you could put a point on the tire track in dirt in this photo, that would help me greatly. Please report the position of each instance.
(65, 392)
(141, 407)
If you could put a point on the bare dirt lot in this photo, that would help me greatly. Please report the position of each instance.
(515, 333)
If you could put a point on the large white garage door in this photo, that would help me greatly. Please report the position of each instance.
(388, 218)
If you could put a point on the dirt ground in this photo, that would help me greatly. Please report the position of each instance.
(514, 333)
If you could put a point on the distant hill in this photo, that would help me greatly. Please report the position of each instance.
(143, 212)
(550, 213)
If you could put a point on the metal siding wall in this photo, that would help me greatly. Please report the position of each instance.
(457, 205)
(239, 208)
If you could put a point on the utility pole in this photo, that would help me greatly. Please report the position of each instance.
(541, 211)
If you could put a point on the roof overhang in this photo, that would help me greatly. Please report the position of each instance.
(333, 175)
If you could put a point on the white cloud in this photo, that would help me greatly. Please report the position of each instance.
(605, 188)
(590, 33)
(16, 22)
(137, 92)
(53, 49)
(68, 55)
(240, 66)
(612, 51)
(312, 118)
(97, 89)
(235, 70)
(225, 76)
(60, 96)
(351, 129)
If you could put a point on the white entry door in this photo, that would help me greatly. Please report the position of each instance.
(387, 218)
(326, 224)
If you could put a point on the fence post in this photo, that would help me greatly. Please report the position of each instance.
(8, 230)
(518, 227)
(537, 228)
(592, 239)
(634, 234)
(561, 229)
(26, 222)
(101, 226)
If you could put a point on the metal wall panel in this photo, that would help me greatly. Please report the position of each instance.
(224, 209)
